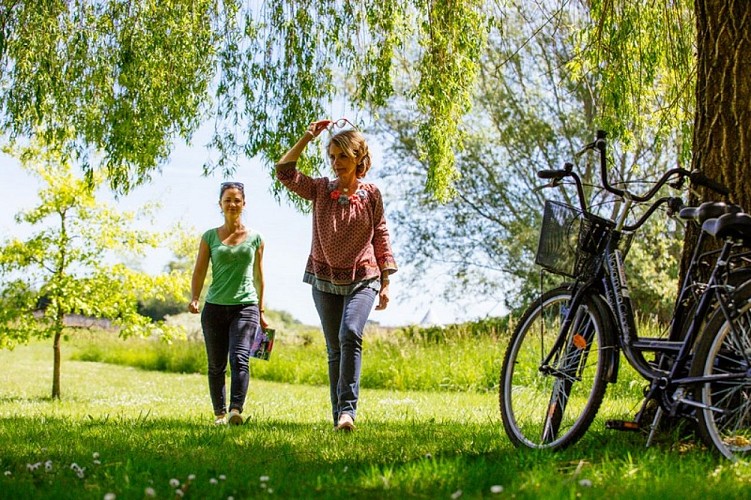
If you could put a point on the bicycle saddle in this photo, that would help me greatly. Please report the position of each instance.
(708, 210)
(733, 225)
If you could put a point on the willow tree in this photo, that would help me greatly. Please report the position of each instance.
(533, 110)
(128, 78)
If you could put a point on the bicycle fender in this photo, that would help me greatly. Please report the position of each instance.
(612, 354)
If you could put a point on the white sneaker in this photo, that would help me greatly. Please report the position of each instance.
(220, 420)
(234, 417)
(345, 423)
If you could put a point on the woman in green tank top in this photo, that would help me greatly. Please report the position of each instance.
(233, 310)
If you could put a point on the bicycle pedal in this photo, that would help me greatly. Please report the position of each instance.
(622, 425)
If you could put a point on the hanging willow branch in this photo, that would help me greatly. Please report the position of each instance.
(117, 83)
(454, 34)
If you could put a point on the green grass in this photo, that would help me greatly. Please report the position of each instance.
(147, 428)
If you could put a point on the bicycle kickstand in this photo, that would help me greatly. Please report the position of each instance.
(654, 425)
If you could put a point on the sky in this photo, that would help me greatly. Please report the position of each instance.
(188, 197)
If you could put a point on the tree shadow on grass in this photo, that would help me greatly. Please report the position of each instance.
(394, 459)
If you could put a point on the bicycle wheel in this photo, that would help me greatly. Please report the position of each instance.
(725, 348)
(553, 406)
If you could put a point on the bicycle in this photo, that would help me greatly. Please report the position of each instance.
(566, 347)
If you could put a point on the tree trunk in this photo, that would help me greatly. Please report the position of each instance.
(722, 124)
(56, 367)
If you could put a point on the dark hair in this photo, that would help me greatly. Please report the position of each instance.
(231, 184)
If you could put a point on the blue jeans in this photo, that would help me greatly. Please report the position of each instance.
(343, 319)
(228, 332)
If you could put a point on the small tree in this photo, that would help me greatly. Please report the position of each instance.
(68, 264)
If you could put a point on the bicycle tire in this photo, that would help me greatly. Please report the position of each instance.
(725, 347)
(553, 410)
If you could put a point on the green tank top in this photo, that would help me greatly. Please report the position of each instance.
(232, 269)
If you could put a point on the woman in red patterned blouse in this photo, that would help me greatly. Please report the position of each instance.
(350, 257)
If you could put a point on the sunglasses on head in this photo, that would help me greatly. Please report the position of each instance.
(238, 185)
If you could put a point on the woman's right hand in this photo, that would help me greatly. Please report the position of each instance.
(319, 126)
(194, 307)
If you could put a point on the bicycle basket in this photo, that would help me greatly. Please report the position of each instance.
(570, 240)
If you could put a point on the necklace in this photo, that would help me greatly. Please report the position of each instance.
(342, 195)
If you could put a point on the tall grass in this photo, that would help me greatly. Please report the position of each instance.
(457, 358)
(465, 357)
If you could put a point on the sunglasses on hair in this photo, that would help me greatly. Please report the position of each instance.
(232, 184)
(341, 123)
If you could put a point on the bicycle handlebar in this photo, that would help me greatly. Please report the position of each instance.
(600, 144)
(695, 177)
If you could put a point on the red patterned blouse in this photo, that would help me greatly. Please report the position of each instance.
(350, 244)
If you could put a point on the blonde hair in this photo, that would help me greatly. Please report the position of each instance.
(353, 144)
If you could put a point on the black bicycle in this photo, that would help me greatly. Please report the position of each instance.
(566, 347)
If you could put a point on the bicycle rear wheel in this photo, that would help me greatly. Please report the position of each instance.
(725, 349)
(553, 406)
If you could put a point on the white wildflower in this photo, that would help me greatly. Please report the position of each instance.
(496, 488)
(97, 462)
(8, 473)
(33, 467)
(95, 455)
(174, 482)
(192, 477)
(213, 480)
(149, 492)
(222, 477)
(264, 479)
(79, 472)
(456, 494)
(48, 465)
(110, 496)
(586, 483)
(179, 492)
(74, 466)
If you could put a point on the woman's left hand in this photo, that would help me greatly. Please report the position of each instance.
(383, 298)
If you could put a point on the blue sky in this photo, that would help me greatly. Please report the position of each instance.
(188, 197)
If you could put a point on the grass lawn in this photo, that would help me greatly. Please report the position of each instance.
(139, 434)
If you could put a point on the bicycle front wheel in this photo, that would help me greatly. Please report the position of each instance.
(724, 352)
(551, 405)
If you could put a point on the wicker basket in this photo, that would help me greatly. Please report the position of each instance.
(571, 240)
